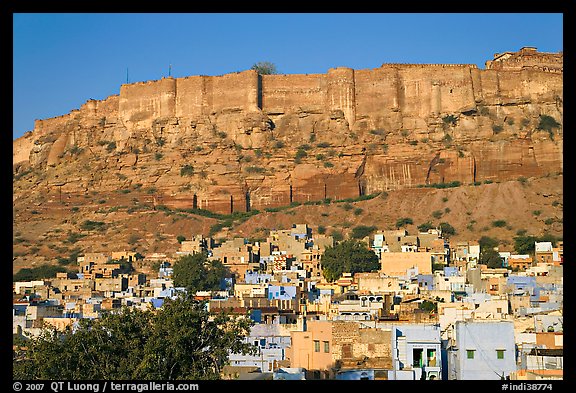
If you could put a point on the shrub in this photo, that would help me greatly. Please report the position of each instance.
(321, 229)
(300, 153)
(522, 180)
(547, 123)
(90, 225)
(158, 156)
(337, 235)
(328, 164)
(361, 231)
(437, 214)
(255, 169)
(377, 132)
(323, 145)
(425, 227)
(497, 128)
(499, 223)
(180, 238)
(111, 146)
(279, 144)
(358, 211)
(447, 229)
(537, 212)
(401, 222)
(450, 120)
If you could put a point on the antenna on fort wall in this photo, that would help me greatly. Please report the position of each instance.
(170, 70)
(127, 81)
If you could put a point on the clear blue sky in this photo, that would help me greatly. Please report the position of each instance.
(62, 60)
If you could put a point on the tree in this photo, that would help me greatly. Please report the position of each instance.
(361, 231)
(447, 229)
(349, 256)
(524, 244)
(425, 227)
(181, 340)
(265, 68)
(196, 273)
(402, 222)
(489, 256)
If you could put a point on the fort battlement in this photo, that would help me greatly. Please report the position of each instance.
(426, 65)
(417, 90)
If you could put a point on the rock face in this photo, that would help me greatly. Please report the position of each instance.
(245, 141)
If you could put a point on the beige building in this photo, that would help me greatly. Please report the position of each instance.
(377, 282)
(399, 263)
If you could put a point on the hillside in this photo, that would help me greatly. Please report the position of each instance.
(44, 229)
(192, 155)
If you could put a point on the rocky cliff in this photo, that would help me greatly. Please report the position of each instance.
(245, 141)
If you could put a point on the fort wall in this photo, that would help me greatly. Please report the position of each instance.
(291, 93)
(147, 100)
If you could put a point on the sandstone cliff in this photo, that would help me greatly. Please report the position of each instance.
(245, 141)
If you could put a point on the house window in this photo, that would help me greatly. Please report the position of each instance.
(470, 353)
(431, 355)
(417, 357)
(499, 310)
(500, 353)
(326, 346)
(316, 346)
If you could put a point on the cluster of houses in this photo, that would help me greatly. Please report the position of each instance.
(430, 312)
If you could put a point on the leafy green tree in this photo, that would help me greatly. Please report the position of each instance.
(489, 256)
(425, 227)
(38, 273)
(181, 340)
(349, 256)
(524, 244)
(361, 231)
(447, 229)
(265, 68)
(196, 273)
(429, 306)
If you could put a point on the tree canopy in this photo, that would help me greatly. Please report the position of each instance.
(196, 273)
(349, 256)
(265, 68)
(181, 340)
(489, 256)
